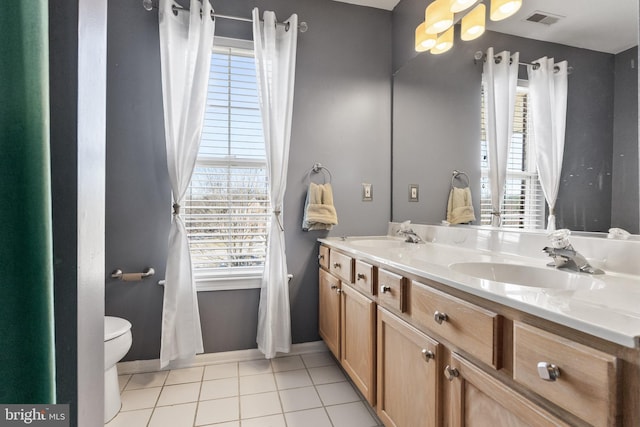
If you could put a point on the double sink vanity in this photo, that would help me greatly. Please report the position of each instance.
(470, 327)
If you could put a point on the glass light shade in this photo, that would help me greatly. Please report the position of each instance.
(502, 9)
(424, 41)
(473, 23)
(456, 6)
(444, 42)
(438, 17)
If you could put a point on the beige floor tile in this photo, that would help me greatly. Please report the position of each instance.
(218, 389)
(217, 411)
(174, 416)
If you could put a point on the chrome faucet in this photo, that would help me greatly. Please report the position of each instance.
(565, 256)
(411, 236)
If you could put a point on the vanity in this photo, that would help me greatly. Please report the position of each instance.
(471, 328)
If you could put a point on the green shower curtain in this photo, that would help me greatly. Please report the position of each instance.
(26, 262)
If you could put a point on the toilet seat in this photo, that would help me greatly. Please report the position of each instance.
(114, 327)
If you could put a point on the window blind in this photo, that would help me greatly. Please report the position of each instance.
(227, 206)
(523, 202)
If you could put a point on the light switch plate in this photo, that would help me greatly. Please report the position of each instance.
(413, 192)
(367, 192)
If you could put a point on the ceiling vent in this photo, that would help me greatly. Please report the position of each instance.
(543, 18)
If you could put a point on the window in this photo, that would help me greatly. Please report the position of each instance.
(226, 209)
(523, 203)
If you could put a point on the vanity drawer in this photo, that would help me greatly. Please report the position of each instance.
(323, 257)
(341, 265)
(391, 290)
(471, 328)
(365, 279)
(586, 384)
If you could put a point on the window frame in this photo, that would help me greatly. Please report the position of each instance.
(236, 278)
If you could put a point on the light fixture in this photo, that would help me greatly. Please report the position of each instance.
(424, 41)
(444, 42)
(438, 17)
(502, 9)
(473, 23)
(456, 6)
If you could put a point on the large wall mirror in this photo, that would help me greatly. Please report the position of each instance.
(436, 113)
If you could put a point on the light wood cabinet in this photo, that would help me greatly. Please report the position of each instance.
(365, 278)
(478, 399)
(425, 357)
(586, 378)
(408, 381)
(347, 323)
(329, 288)
(391, 289)
(358, 329)
(341, 266)
(469, 327)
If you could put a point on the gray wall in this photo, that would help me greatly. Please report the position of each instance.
(624, 197)
(341, 119)
(436, 123)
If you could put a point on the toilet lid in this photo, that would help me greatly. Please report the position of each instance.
(114, 327)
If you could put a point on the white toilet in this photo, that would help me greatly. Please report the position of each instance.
(117, 341)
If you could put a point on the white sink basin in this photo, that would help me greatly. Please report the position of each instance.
(523, 275)
(377, 243)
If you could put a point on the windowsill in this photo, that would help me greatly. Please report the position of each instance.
(227, 283)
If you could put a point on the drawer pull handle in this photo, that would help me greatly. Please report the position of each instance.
(384, 289)
(548, 371)
(451, 373)
(320, 257)
(336, 265)
(440, 317)
(361, 276)
(428, 355)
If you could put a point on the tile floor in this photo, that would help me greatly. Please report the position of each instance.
(309, 390)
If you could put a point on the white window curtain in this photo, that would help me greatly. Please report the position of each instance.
(548, 100)
(185, 53)
(275, 54)
(500, 76)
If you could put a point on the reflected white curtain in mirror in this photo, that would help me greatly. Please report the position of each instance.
(500, 80)
(548, 112)
(275, 54)
(185, 54)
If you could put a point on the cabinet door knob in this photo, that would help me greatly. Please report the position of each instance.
(384, 289)
(451, 373)
(548, 371)
(361, 276)
(440, 317)
(338, 291)
(320, 257)
(428, 354)
(336, 265)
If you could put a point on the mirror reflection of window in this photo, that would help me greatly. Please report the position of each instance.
(523, 203)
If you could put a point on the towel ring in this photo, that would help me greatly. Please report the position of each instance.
(317, 168)
(458, 175)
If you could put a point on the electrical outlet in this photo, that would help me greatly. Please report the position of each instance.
(413, 192)
(367, 192)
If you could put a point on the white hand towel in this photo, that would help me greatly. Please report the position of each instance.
(319, 212)
(460, 206)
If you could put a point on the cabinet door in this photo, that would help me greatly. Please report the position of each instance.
(329, 311)
(478, 399)
(408, 380)
(358, 340)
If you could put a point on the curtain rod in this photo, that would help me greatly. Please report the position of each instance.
(479, 55)
(149, 6)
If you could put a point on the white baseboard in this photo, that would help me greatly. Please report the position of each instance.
(140, 366)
